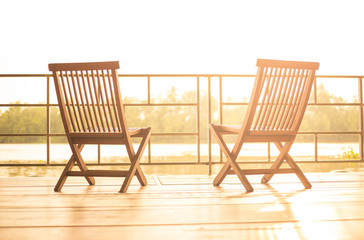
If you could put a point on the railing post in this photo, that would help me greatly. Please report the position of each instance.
(316, 148)
(360, 92)
(198, 116)
(209, 121)
(48, 123)
(220, 110)
(98, 154)
(315, 102)
(150, 139)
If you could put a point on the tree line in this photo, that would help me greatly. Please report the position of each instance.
(181, 119)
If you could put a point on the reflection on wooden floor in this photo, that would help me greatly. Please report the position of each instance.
(184, 207)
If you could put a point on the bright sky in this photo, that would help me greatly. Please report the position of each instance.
(189, 36)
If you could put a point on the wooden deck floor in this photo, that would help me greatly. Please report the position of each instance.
(184, 207)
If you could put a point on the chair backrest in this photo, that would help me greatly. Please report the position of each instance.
(280, 96)
(89, 97)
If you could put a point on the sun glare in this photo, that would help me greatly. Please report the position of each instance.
(182, 37)
(193, 37)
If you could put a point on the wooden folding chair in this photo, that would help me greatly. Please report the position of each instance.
(275, 111)
(92, 112)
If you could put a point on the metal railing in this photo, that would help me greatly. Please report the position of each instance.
(208, 81)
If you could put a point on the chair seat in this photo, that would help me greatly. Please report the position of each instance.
(227, 129)
(106, 138)
(235, 129)
(256, 136)
(133, 132)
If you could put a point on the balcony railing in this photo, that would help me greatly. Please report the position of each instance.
(212, 100)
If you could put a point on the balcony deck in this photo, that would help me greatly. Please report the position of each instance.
(184, 207)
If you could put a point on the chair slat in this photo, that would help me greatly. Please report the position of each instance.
(71, 92)
(261, 88)
(77, 93)
(68, 101)
(281, 102)
(301, 98)
(268, 89)
(296, 100)
(274, 104)
(103, 112)
(285, 104)
(98, 113)
(83, 100)
(114, 106)
(108, 105)
(88, 110)
(93, 98)
(290, 104)
(268, 100)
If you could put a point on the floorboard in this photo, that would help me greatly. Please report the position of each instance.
(184, 207)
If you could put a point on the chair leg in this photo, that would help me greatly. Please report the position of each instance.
(230, 163)
(278, 162)
(70, 164)
(81, 164)
(139, 173)
(284, 155)
(130, 175)
(134, 167)
(141, 177)
(62, 179)
(222, 174)
(224, 171)
(241, 175)
(299, 172)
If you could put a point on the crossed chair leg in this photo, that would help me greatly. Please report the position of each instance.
(77, 158)
(284, 155)
(70, 164)
(231, 166)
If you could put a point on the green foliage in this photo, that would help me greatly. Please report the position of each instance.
(331, 118)
(170, 119)
(348, 153)
(181, 119)
(19, 120)
(28, 120)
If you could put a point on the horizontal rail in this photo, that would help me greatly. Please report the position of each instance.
(168, 104)
(309, 104)
(159, 134)
(181, 75)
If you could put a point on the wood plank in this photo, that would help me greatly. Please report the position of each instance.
(184, 207)
(182, 214)
(296, 230)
